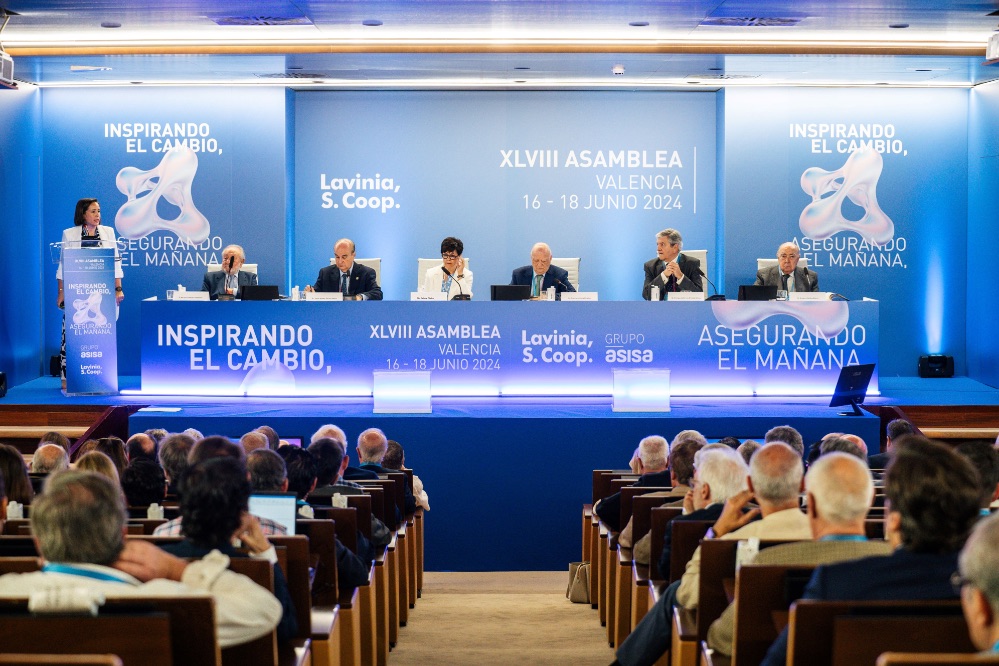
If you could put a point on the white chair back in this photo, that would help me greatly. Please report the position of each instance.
(701, 256)
(376, 264)
(249, 268)
(571, 265)
(423, 265)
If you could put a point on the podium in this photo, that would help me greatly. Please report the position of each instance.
(90, 319)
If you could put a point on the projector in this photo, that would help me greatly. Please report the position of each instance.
(6, 70)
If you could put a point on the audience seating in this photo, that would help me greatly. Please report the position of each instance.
(931, 659)
(59, 660)
(763, 594)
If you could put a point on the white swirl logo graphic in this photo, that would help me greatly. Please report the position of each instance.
(88, 311)
(170, 180)
(857, 181)
(826, 317)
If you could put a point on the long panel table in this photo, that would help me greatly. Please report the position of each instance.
(737, 348)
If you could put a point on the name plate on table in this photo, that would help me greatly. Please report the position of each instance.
(684, 295)
(323, 296)
(810, 296)
(428, 296)
(188, 296)
(579, 296)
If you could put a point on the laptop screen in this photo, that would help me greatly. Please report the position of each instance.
(259, 292)
(282, 508)
(510, 292)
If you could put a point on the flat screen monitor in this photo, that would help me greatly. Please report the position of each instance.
(259, 292)
(282, 508)
(510, 292)
(755, 292)
(851, 387)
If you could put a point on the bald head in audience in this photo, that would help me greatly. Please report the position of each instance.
(850, 444)
(330, 431)
(371, 446)
(840, 491)
(775, 477)
(141, 446)
(54, 437)
(49, 458)
(253, 441)
(978, 566)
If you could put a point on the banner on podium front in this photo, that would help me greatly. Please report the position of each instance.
(91, 337)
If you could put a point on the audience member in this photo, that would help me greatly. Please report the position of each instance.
(301, 469)
(840, 491)
(788, 435)
(80, 520)
(141, 446)
(371, 447)
(253, 441)
(775, 479)
(99, 463)
(747, 449)
(843, 444)
(55, 438)
(143, 483)
(214, 512)
(194, 434)
(985, 459)
(978, 570)
(273, 441)
(335, 433)
(719, 474)
(395, 460)
(174, 450)
(895, 429)
(114, 449)
(932, 505)
(653, 467)
(635, 458)
(158, 434)
(268, 473)
(331, 461)
(731, 442)
(15, 475)
(49, 458)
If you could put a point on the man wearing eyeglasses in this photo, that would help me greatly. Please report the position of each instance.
(786, 275)
(978, 580)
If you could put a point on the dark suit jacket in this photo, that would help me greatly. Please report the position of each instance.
(214, 282)
(554, 277)
(609, 509)
(410, 503)
(654, 268)
(879, 460)
(358, 474)
(362, 281)
(710, 512)
(902, 576)
(804, 279)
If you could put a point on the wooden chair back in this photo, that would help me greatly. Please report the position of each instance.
(402, 482)
(362, 504)
(834, 633)
(602, 480)
(628, 496)
(395, 499)
(262, 651)
(658, 524)
(377, 496)
(345, 522)
(762, 592)
(932, 659)
(296, 572)
(641, 514)
(685, 537)
(322, 549)
(59, 660)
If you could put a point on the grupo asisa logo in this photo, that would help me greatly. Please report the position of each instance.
(831, 236)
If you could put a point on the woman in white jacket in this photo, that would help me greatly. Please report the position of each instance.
(457, 280)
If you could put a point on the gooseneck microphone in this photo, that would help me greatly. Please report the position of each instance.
(232, 260)
(461, 294)
(716, 296)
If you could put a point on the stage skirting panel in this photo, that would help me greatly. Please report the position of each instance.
(285, 348)
(507, 477)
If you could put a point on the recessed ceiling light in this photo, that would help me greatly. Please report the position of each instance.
(898, 25)
(639, 24)
(110, 24)
(371, 23)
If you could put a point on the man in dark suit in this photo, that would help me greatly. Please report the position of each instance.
(541, 275)
(895, 429)
(371, 447)
(653, 458)
(354, 281)
(787, 265)
(932, 499)
(230, 278)
(671, 270)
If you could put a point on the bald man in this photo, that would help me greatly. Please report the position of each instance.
(355, 281)
(541, 275)
(780, 276)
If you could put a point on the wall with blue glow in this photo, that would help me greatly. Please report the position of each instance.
(983, 230)
(20, 254)
(909, 199)
(498, 171)
(229, 188)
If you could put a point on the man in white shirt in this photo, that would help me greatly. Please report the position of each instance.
(780, 276)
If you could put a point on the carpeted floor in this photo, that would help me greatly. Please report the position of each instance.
(519, 617)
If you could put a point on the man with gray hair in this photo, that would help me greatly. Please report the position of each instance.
(775, 480)
(268, 472)
(230, 279)
(653, 455)
(786, 275)
(49, 458)
(840, 490)
(79, 526)
(371, 447)
(335, 433)
(978, 569)
(671, 270)
(788, 435)
(895, 429)
(541, 275)
(174, 450)
(253, 441)
(141, 446)
(850, 444)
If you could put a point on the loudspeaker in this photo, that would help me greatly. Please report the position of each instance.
(3, 384)
(936, 365)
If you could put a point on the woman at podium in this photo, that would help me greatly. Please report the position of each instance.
(86, 232)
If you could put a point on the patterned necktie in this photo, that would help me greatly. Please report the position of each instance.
(343, 283)
(536, 288)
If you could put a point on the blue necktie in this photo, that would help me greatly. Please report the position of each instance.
(343, 283)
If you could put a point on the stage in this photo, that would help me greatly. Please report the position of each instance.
(507, 476)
